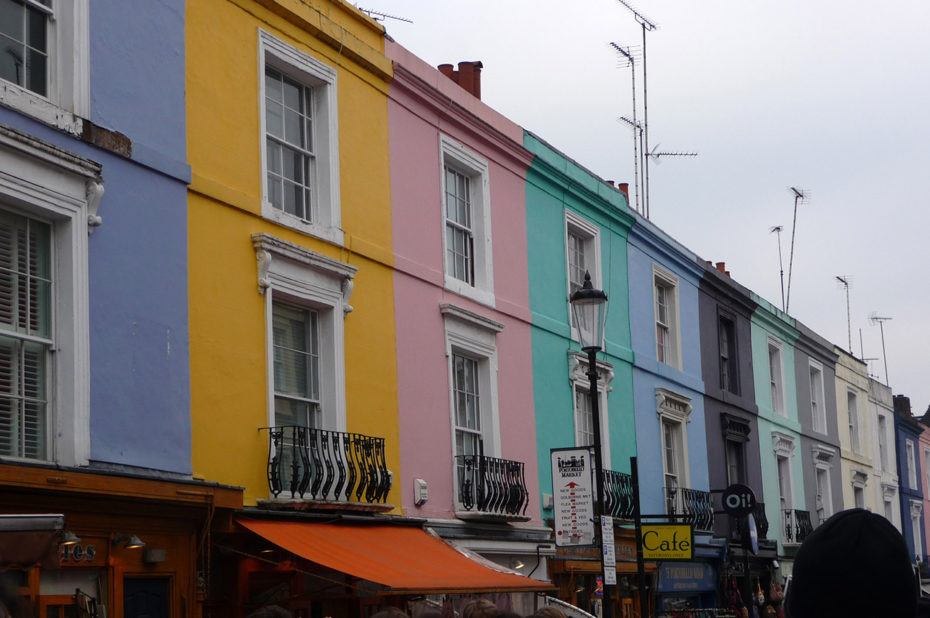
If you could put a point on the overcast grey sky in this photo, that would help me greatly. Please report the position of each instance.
(832, 97)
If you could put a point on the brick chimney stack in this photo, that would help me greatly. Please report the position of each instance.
(902, 404)
(468, 76)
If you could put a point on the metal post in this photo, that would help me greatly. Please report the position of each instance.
(638, 528)
(881, 326)
(598, 478)
(746, 548)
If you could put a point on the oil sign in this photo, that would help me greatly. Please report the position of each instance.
(667, 542)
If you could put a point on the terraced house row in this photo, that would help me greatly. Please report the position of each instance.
(284, 320)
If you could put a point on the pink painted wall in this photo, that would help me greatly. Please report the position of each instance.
(924, 444)
(423, 104)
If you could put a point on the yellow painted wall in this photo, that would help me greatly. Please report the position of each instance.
(227, 321)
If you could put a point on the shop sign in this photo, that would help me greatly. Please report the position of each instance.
(78, 555)
(573, 496)
(738, 500)
(686, 577)
(667, 542)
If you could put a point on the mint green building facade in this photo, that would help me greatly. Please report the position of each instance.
(576, 222)
(773, 355)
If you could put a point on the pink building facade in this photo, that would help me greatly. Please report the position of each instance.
(465, 385)
(923, 450)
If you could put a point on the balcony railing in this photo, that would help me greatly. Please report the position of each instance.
(762, 524)
(797, 525)
(492, 486)
(692, 506)
(316, 464)
(618, 494)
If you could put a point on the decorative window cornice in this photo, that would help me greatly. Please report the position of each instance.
(673, 405)
(916, 509)
(273, 253)
(578, 371)
(735, 428)
(823, 455)
(860, 478)
(889, 490)
(783, 444)
(475, 319)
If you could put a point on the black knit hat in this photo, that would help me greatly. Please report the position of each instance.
(855, 564)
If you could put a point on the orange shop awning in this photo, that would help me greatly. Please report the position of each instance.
(405, 559)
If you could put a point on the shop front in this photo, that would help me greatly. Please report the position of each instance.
(125, 546)
(576, 573)
(346, 566)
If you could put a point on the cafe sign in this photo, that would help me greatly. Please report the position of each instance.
(667, 541)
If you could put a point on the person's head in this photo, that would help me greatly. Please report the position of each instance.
(547, 611)
(390, 612)
(508, 613)
(855, 564)
(479, 608)
(270, 611)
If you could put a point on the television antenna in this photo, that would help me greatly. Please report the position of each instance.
(648, 26)
(656, 154)
(628, 57)
(880, 320)
(844, 281)
(379, 16)
(776, 229)
(799, 196)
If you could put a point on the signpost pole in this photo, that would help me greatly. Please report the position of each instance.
(607, 599)
(638, 526)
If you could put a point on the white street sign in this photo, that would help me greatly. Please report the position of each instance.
(573, 497)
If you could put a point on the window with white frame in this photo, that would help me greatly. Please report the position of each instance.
(883, 442)
(25, 334)
(674, 413)
(818, 409)
(44, 60)
(916, 525)
(582, 255)
(783, 466)
(783, 446)
(471, 348)
(584, 418)
(466, 222)
(726, 334)
(824, 502)
(296, 343)
(859, 497)
(307, 298)
(776, 373)
(300, 155)
(852, 408)
(911, 464)
(665, 297)
(822, 456)
(927, 469)
(45, 209)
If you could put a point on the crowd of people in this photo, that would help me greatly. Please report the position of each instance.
(478, 608)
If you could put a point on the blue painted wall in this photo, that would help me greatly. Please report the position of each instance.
(140, 387)
(907, 428)
(648, 246)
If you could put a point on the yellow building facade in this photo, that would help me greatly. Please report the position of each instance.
(289, 237)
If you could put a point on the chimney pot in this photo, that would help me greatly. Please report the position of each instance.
(448, 71)
(721, 266)
(469, 77)
(625, 190)
(611, 183)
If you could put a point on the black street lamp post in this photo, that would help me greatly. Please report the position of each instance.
(589, 309)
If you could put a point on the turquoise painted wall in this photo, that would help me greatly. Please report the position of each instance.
(770, 322)
(556, 184)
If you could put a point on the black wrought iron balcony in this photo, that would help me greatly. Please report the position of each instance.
(618, 494)
(762, 524)
(692, 505)
(316, 464)
(797, 525)
(491, 486)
